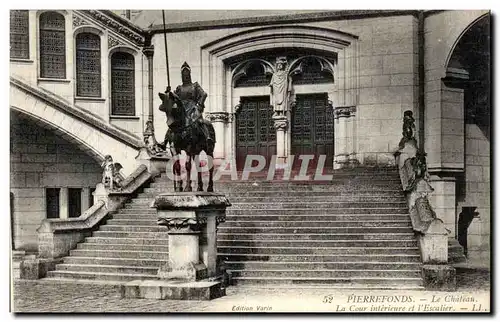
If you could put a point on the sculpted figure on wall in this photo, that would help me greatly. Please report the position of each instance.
(281, 86)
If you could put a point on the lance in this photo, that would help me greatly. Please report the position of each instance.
(166, 48)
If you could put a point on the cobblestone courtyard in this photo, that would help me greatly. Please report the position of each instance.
(43, 296)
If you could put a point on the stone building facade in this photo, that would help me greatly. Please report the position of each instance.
(92, 77)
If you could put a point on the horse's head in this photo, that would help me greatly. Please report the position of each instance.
(172, 108)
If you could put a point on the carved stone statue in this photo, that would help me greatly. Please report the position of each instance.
(187, 130)
(150, 140)
(408, 129)
(281, 86)
(111, 177)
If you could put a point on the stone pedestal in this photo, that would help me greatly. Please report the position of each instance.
(281, 126)
(192, 219)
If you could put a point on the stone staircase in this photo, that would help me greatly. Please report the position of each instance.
(353, 231)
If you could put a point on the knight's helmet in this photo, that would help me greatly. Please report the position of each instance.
(184, 67)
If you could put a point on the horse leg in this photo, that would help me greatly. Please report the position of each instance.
(177, 172)
(200, 179)
(210, 187)
(188, 170)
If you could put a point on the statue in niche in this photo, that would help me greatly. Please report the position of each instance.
(281, 86)
(111, 177)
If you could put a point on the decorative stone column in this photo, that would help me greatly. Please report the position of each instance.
(345, 152)
(281, 126)
(219, 121)
(149, 52)
(191, 271)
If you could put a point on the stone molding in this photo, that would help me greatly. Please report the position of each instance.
(223, 117)
(280, 123)
(344, 111)
(113, 42)
(113, 23)
(190, 201)
(77, 113)
(79, 21)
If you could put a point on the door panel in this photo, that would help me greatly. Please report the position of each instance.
(312, 128)
(255, 133)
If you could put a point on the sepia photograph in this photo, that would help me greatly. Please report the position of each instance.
(250, 161)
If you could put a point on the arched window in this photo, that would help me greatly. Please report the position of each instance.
(255, 75)
(88, 65)
(311, 71)
(122, 84)
(19, 34)
(52, 45)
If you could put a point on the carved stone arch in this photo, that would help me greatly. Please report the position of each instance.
(241, 70)
(297, 66)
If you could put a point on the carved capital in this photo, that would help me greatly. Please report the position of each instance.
(280, 123)
(149, 51)
(218, 117)
(344, 111)
(79, 21)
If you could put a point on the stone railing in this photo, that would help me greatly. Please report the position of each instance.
(56, 237)
(431, 232)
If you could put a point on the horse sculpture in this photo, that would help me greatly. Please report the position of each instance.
(186, 133)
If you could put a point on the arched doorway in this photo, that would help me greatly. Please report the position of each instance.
(471, 58)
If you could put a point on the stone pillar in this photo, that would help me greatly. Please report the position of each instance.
(149, 52)
(219, 121)
(63, 203)
(281, 126)
(443, 199)
(85, 199)
(344, 141)
(192, 219)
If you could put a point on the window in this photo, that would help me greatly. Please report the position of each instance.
(255, 76)
(52, 202)
(122, 84)
(52, 45)
(19, 34)
(312, 73)
(88, 65)
(74, 202)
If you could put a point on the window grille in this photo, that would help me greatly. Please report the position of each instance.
(52, 45)
(19, 34)
(88, 65)
(122, 84)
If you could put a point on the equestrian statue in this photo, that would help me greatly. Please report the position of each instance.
(187, 129)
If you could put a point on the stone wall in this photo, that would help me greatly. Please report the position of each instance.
(40, 159)
(386, 76)
(477, 192)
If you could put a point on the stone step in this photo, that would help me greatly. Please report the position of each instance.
(153, 192)
(142, 203)
(348, 250)
(312, 218)
(263, 210)
(226, 228)
(280, 223)
(312, 186)
(389, 258)
(149, 198)
(299, 223)
(347, 282)
(128, 241)
(128, 234)
(316, 243)
(120, 269)
(142, 262)
(265, 265)
(124, 247)
(119, 254)
(225, 235)
(131, 228)
(327, 273)
(99, 276)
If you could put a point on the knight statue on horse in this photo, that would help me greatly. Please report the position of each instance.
(187, 129)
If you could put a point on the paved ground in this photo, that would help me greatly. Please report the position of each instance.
(42, 296)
